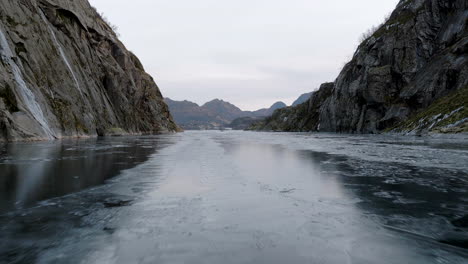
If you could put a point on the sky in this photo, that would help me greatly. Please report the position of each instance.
(251, 53)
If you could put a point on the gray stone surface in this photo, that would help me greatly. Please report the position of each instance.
(64, 73)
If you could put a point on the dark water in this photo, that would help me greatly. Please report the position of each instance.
(235, 197)
(31, 172)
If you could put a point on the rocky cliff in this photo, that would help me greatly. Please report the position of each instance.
(63, 72)
(408, 65)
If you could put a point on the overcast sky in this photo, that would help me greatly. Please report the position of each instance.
(248, 52)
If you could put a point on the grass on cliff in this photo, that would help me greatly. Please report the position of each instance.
(400, 16)
(443, 106)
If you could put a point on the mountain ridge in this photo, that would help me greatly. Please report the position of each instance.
(214, 114)
(302, 99)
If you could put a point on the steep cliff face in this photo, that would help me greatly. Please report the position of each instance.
(63, 72)
(418, 56)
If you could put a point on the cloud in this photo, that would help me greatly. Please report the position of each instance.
(249, 52)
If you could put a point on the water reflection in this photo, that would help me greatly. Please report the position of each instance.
(31, 172)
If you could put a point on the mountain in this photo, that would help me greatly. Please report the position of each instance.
(64, 73)
(410, 75)
(268, 111)
(214, 114)
(185, 111)
(243, 123)
(223, 110)
(302, 99)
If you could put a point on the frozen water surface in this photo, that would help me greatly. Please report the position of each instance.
(235, 197)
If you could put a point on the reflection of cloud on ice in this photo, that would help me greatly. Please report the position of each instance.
(32, 170)
(245, 197)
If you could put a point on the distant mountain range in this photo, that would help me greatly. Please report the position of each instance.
(215, 114)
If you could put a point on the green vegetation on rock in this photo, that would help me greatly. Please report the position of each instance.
(441, 116)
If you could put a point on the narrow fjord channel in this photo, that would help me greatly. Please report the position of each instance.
(235, 197)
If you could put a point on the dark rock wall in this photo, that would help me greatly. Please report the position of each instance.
(418, 56)
(63, 72)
